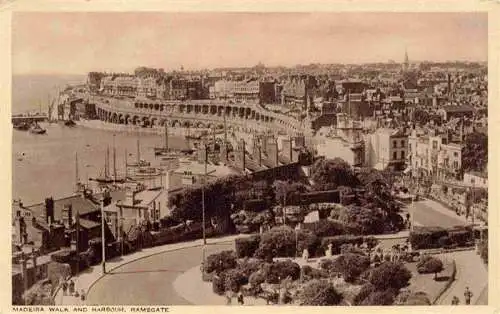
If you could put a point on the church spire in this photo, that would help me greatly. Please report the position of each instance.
(406, 64)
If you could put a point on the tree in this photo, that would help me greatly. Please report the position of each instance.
(328, 174)
(389, 275)
(320, 293)
(475, 152)
(430, 264)
(351, 265)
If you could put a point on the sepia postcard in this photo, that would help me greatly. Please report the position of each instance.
(249, 154)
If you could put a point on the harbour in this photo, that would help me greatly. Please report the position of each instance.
(33, 157)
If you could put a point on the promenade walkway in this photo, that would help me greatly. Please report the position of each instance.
(471, 272)
(87, 278)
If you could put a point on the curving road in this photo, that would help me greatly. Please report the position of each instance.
(148, 281)
(430, 213)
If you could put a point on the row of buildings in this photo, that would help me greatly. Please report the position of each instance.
(429, 152)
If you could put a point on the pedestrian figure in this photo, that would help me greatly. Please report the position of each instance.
(241, 301)
(82, 295)
(228, 299)
(71, 287)
(468, 295)
(455, 300)
(64, 287)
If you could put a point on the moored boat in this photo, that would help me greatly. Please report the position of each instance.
(70, 123)
(37, 129)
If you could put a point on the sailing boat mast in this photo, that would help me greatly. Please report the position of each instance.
(77, 179)
(106, 169)
(114, 159)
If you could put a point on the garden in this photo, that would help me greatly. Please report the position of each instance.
(354, 272)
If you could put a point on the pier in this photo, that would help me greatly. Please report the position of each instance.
(17, 119)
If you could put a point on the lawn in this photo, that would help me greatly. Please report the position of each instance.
(426, 282)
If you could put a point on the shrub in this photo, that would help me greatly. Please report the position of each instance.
(256, 278)
(218, 284)
(365, 291)
(307, 240)
(320, 293)
(219, 262)
(351, 265)
(444, 242)
(460, 237)
(337, 242)
(249, 265)
(275, 272)
(389, 275)
(246, 247)
(278, 241)
(426, 237)
(325, 228)
(309, 273)
(234, 279)
(429, 265)
(385, 297)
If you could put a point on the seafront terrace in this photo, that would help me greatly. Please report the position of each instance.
(238, 116)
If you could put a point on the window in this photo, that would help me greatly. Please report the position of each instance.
(395, 155)
(394, 144)
(434, 144)
(402, 154)
(402, 143)
(455, 154)
(455, 164)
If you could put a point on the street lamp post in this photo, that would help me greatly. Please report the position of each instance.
(103, 238)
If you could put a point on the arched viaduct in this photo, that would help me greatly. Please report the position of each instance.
(246, 117)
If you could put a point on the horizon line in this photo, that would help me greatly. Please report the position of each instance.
(249, 67)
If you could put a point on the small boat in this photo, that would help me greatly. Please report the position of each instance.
(37, 129)
(70, 123)
(141, 163)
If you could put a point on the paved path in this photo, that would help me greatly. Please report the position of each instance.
(431, 213)
(86, 279)
(197, 292)
(471, 272)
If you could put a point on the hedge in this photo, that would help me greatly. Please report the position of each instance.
(437, 237)
(337, 242)
(246, 247)
(325, 228)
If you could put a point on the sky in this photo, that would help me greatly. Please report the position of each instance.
(79, 42)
